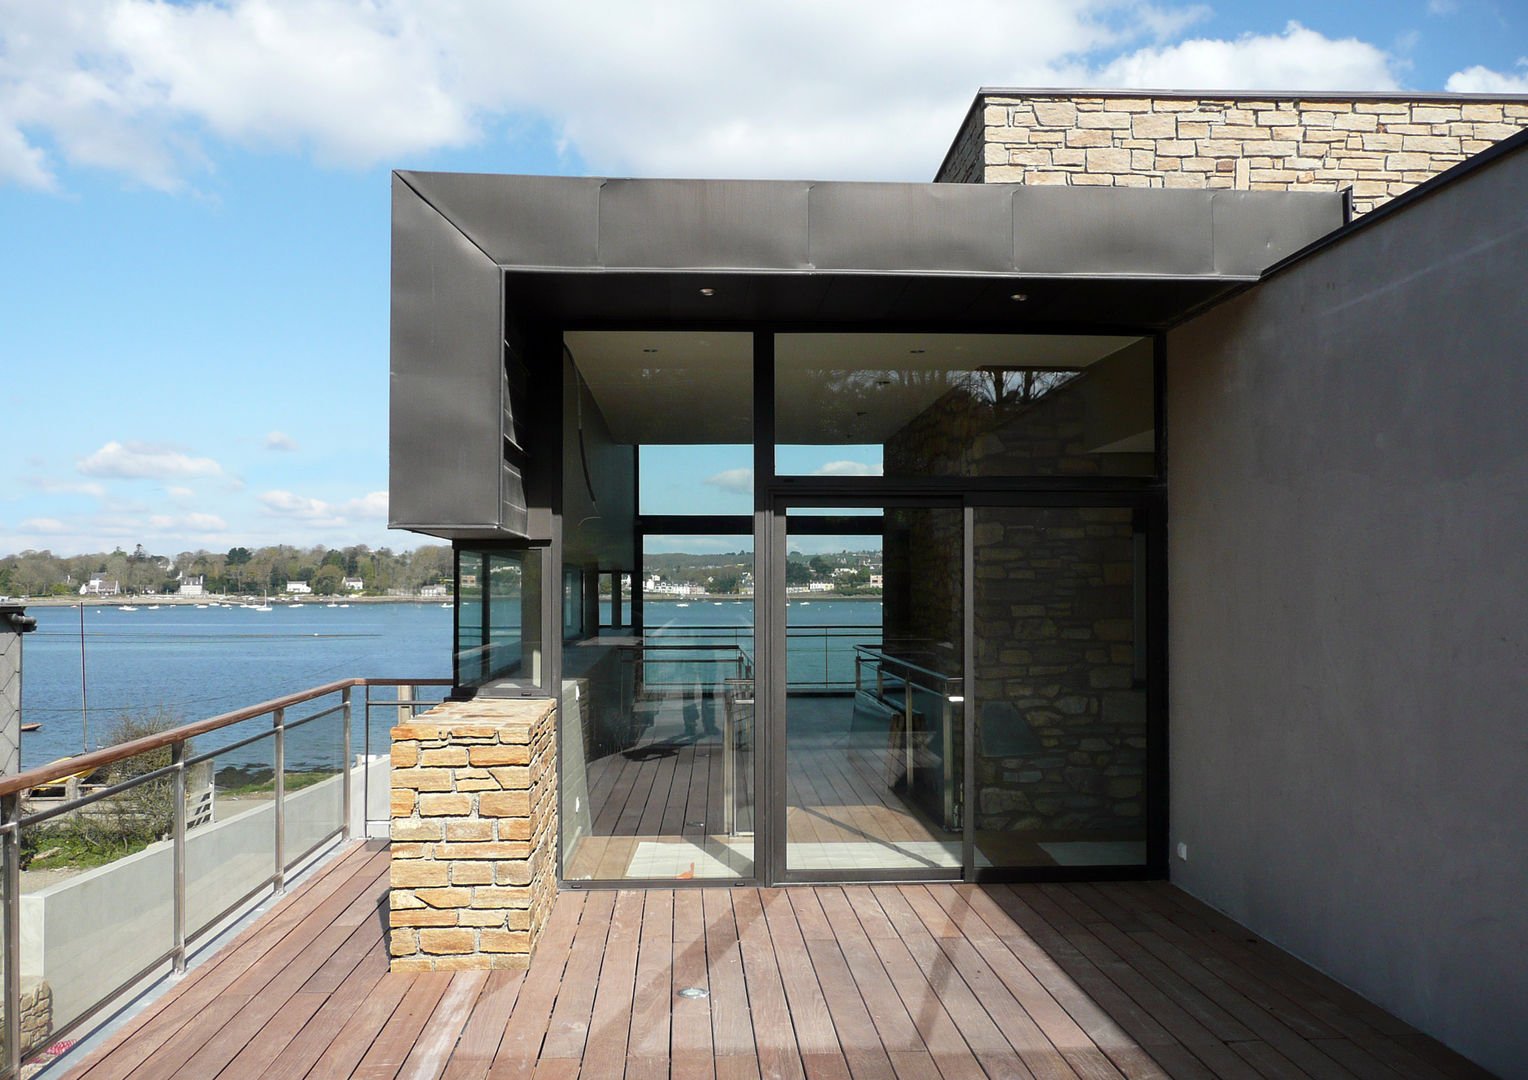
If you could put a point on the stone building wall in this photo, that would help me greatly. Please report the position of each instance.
(474, 827)
(1061, 738)
(1376, 145)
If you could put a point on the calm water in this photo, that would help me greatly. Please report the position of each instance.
(199, 662)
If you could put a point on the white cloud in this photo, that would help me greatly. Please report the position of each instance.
(180, 492)
(286, 504)
(42, 525)
(207, 523)
(854, 89)
(1442, 7)
(1482, 80)
(372, 505)
(847, 468)
(318, 512)
(65, 487)
(139, 459)
(280, 440)
(737, 481)
(1297, 59)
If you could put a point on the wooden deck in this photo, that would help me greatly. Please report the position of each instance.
(947, 982)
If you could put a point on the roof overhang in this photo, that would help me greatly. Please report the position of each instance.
(586, 251)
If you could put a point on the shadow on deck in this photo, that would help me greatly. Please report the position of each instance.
(955, 982)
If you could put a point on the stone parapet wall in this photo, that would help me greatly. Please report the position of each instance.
(1379, 147)
(474, 828)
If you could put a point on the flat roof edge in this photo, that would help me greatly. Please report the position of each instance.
(1246, 95)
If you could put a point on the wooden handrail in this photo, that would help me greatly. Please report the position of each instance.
(47, 774)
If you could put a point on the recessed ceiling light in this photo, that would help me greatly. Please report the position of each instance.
(707, 292)
(1019, 297)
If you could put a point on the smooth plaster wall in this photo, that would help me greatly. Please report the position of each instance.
(1348, 508)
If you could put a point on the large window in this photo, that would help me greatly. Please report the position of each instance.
(963, 405)
(498, 616)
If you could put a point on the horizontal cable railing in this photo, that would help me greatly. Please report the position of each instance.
(94, 937)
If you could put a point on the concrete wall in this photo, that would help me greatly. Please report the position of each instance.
(1349, 610)
(1376, 145)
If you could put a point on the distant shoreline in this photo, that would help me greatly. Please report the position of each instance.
(237, 599)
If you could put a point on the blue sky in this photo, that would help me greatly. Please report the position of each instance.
(194, 197)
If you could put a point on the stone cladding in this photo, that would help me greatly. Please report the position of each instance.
(1377, 146)
(474, 827)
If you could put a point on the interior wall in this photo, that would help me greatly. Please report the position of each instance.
(1348, 508)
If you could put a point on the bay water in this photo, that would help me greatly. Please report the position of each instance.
(196, 662)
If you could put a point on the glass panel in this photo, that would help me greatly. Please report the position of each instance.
(1060, 685)
(231, 844)
(97, 904)
(657, 737)
(572, 604)
(874, 711)
(315, 782)
(498, 616)
(920, 405)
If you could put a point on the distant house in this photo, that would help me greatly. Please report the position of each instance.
(354, 584)
(433, 590)
(299, 588)
(192, 586)
(100, 585)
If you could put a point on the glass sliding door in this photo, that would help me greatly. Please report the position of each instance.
(1060, 723)
(873, 713)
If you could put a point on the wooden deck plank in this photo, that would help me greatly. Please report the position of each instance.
(774, 1035)
(654, 990)
(436, 1040)
(392, 1045)
(731, 1024)
(815, 1036)
(480, 1037)
(934, 981)
(690, 1021)
(181, 1002)
(604, 1052)
(568, 1027)
(525, 1028)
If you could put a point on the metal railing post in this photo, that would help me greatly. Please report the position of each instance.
(366, 761)
(10, 851)
(279, 722)
(178, 846)
(345, 739)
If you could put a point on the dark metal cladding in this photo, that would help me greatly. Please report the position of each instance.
(727, 224)
(943, 228)
(444, 443)
(474, 253)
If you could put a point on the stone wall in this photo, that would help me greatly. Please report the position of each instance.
(1377, 146)
(1061, 738)
(36, 1015)
(474, 827)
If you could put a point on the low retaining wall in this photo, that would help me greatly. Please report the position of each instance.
(474, 806)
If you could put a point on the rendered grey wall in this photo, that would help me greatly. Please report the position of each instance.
(1348, 517)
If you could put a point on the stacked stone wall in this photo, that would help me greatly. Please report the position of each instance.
(1377, 147)
(1055, 651)
(474, 826)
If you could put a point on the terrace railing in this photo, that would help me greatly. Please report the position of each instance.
(101, 934)
(819, 658)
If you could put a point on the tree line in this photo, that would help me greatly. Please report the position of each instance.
(238, 570)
